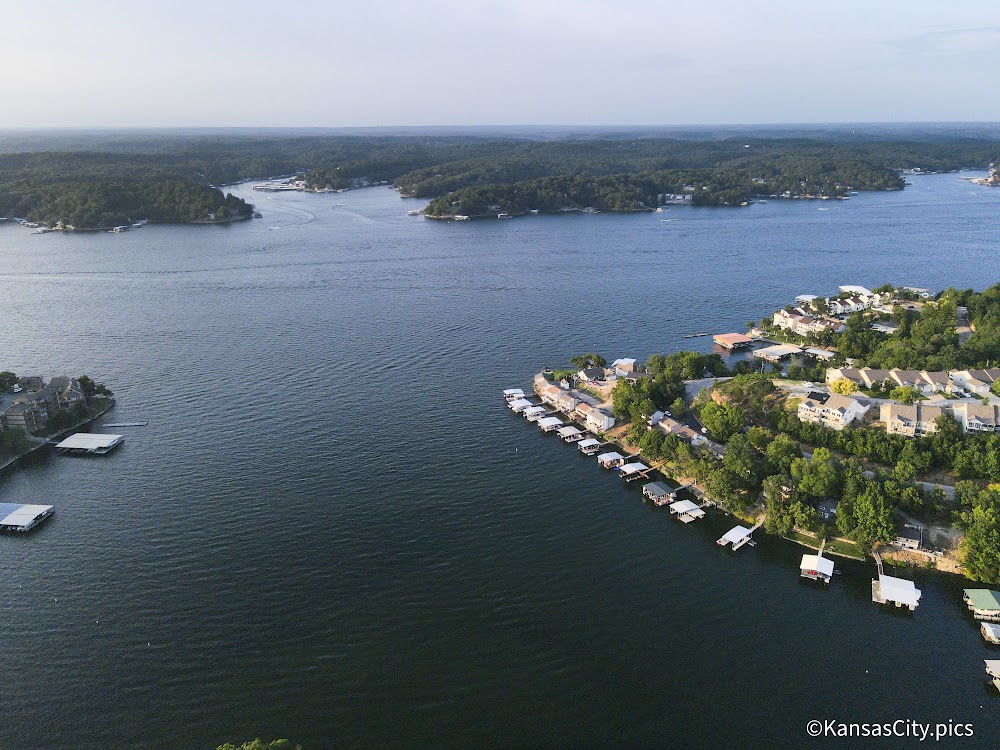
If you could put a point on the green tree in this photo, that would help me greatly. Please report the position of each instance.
(981, 547)
(722, 420)
(7, 381)
(843, 386)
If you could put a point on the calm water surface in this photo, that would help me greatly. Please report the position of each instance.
(333, 530)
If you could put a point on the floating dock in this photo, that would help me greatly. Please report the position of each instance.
(816, 568)
(732, 341)
(984, 603)
(518, 405)
(658, 492)
(993, 670)
(533, 413)
(570, 433)
(635, 470)
(20, 518)
(125, 424)
(511, 394)
(590, 446)
(686, 511)
(898, 591)
(549, 423)
(610, 460)
(90, 443)
(736, 536)
(991, 632)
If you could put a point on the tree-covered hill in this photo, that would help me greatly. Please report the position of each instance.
(83, 178)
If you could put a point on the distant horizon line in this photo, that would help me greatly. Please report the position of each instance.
(523, 126)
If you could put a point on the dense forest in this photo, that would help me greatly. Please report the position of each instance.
(100, 179)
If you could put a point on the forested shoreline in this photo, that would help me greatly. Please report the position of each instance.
(104, 180)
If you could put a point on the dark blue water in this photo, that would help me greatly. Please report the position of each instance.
(333, 530)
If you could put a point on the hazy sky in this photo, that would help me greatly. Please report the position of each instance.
(450, 62)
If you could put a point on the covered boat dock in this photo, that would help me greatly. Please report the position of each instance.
(589, 446)
(736, 536)
(610, 460)
(658, 492)
(549, 423)
(993, 670)
(570, 433)
(898, 591)
(635, 470)
(816, 567)
(20, 518)
(92, 444)
(984, 603)
(991, 632)
(686, 511)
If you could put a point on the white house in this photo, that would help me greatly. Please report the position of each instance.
(836, 412)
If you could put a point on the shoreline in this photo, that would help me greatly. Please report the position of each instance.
(9, 466)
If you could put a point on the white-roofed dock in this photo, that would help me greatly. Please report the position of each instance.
(570, 433)
(658, 492)
(533, 413)
(898, 591)
(816, 567)
(990, 631)
(20, 518)
(687, 511)
(736, 536)
(549, 423)
(90, 443)
(519, 404)
(589, 446)
(513, 393)
(610, 460)
(993, 670)
(634, 470)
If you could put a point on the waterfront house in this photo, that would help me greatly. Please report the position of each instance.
(591, 374)
(549, 393)
(909, 537)
(622, 366)
(28, 416)
(984, 603)
(837, 412)
(911, 421)
(599, 420)
(566, 401)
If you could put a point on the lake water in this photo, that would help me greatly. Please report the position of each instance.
(333, 529)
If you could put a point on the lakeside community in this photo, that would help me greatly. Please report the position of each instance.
(36, 415)
(787, 438)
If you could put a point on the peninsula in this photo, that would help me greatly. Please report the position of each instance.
(116, 180)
